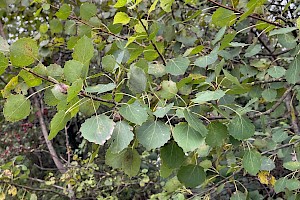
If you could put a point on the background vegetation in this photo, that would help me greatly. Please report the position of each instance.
(162, 99)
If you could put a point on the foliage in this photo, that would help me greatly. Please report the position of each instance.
(201, 98)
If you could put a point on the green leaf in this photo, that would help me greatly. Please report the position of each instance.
(166, 5)
(202, 97)
(100, 88)
(282, 31)
(269, 95)
(241, 128)
(280, 184)
(168, 90)
(276, 72)
(252, 50)
(252, 161)
(219, 35)
(172, 155)
(30, 79)
(58, 122)
(186, 137)
(3, 63)
(16, 107)
(83, 50)
(292, 165)
(87, 10)
(225, 42)
(279, 135)
(177, 66)
(74, 89)
(121, 18)
(231, 78)
(131, 162)
(97, 129)
(114, 159)
(162, 111)
(121, 137)
(251, 5)
(156, 69)
(137, 82)
(55, 26)
(153, 134)
(267, 164)
(73, 70)
(293, 184)
(64, 12)
(293, 72)
(120, 3)
(191, 175)
(86, 105)
(287, 40)
(217, 133)
(194, 122)
(223, 17)
(23, 52)
(298, 23)
(109, 63)
(209, 59)
(134, 113)
(238, 195)
(70, 27)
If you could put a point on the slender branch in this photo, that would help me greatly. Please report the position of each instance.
(52, 151)
(276, 104)
(291, 111)
(43, 181)
(82, 93)
(154, 45)
(281, 147)
(32, 189)
(240, 13)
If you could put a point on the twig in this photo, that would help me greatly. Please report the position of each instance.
(281, 147)
(52, 151)
(153, 44)
(291, 111)
(43, 181)
(67, 146)
(82, 93)
(240, 13)
(276, 104)
(32, 189)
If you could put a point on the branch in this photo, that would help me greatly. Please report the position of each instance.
(240, 13)
(52, 151)
(154, 45)
(276, 104)
(82, 93)
(32, 189)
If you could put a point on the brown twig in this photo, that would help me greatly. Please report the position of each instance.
(276, 104)
(240, 13)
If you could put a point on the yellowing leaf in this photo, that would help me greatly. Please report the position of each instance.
(266, 178)
(121, 18)
(298, 23)
(12, 191)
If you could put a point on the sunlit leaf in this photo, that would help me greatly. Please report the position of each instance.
(16, 107)
(97, 129)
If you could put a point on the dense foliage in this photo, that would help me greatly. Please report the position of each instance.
(162, 99)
